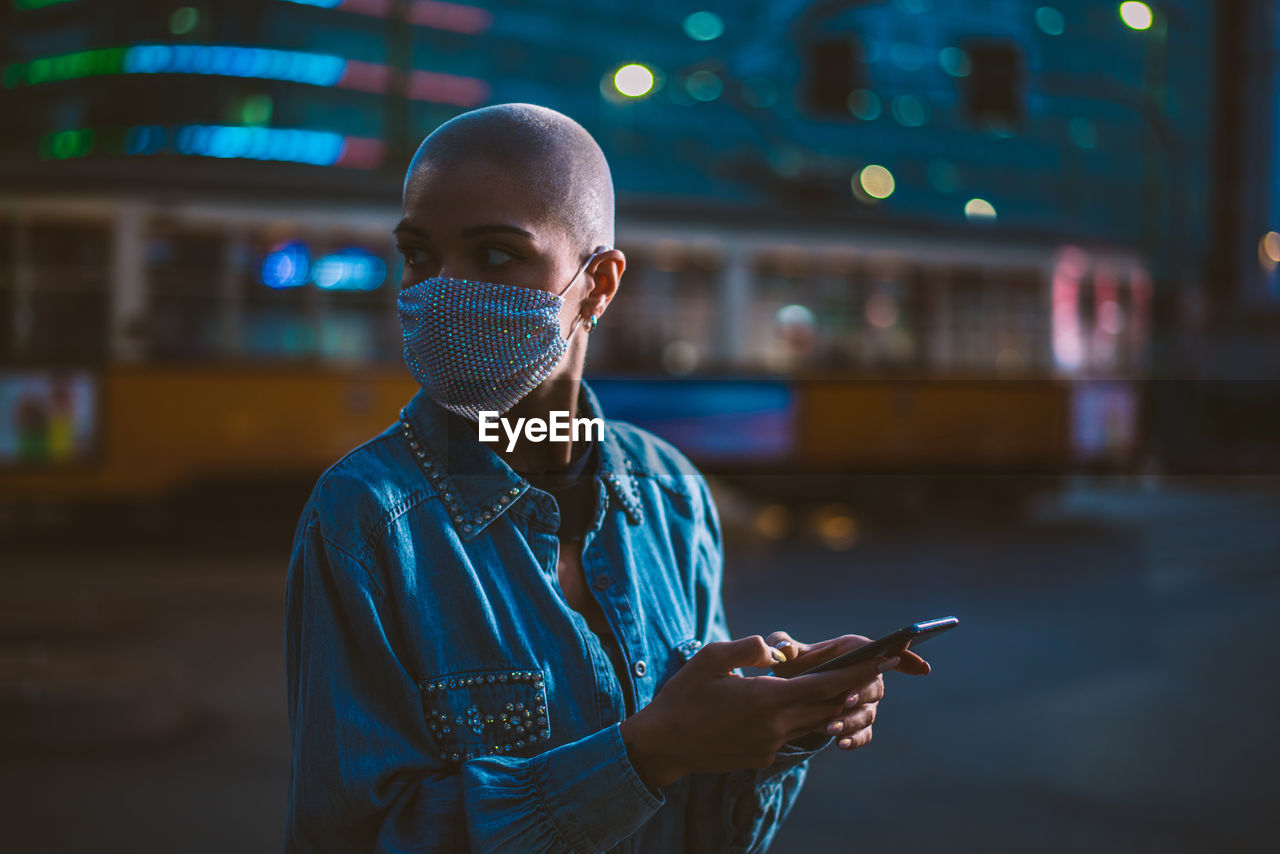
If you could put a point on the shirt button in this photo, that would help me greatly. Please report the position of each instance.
(641, 668)
(603, 581)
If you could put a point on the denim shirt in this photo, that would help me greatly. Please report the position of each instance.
(442, 694)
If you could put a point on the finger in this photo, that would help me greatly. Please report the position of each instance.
(852, 742)
(813, 687)
(786, 644)
(860, 718)
(912, 664)
(722, 657)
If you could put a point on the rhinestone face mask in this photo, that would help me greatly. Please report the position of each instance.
(482, 346)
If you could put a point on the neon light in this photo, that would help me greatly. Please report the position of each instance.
(35, 4)
(447, 88)
(434, 14)
(314, 69)
(287, 266)
(319, 148)
(349, 270)
(65, 144)
(145, 139)
(82, 63)
(450, 16)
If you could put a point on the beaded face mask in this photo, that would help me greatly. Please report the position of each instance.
(481, 346)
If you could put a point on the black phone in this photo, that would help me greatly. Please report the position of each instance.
(914, 634)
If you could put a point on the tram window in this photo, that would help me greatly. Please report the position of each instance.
(968, 342)
(993, 90)
(357, 318)
(280, 308)
(67, 267)
(188, 318)
(833, 70)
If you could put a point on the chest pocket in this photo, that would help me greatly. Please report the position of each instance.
(481, 712)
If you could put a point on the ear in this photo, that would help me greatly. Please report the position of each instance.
(605, 274)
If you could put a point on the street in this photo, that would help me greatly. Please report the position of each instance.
(1110, 688)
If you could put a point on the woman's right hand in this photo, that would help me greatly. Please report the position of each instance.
(708, 719)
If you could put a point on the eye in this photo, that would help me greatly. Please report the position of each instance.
(494, 256)
(413, 255)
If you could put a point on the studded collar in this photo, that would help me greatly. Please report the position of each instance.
(476, 485)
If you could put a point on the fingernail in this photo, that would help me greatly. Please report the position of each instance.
(835, 726)
(777, 655)
(845, 742)
(851, 700)
(889, 664)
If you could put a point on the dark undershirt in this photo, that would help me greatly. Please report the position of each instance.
(574, 488)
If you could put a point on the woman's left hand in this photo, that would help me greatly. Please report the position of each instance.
(852, 729)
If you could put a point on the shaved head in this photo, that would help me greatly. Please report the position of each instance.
(550, 154)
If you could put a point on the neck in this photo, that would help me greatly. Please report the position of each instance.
(553, 394)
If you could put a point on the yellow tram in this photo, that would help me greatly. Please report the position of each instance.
(152, 345)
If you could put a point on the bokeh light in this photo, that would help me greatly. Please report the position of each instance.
(704, 85)
(1136, 15)
(864, 104)
(773, 521)
(703, 26)
(909, 111)
(978, 210)
(349, 270)
(287, 266)
(955, 61)
(183, 20)
(1050, 21)
(875, 181)
(881, 310)
(1269, 250)
(633, 80)
(836, 526)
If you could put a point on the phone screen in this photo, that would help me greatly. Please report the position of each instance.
(914, 634)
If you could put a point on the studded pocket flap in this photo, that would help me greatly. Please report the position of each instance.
(479, 712)
(685, 650)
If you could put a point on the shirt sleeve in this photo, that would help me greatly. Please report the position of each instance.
(366, 774)
(740, 811)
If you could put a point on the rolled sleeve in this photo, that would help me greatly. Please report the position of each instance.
(594, 770)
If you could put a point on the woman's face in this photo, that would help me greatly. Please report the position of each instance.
(473, 221)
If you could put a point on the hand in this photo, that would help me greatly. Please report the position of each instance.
(707, 718)
(852, 727)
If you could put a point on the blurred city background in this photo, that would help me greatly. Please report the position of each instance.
(966, 307)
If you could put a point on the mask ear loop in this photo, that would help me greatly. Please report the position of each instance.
(577, 320)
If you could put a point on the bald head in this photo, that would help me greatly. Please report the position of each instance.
(547, 152)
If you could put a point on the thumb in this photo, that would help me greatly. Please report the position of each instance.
(789, 646)
(725, 656)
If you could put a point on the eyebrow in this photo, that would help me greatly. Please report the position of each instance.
(404, 226)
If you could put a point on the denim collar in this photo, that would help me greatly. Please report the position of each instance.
(475, 484)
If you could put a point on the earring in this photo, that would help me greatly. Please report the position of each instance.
(591, 322)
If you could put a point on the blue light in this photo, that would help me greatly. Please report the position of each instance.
(144, 139)
(323, 4)
(319, 148)
(349, 270)
(287, 267)
(316, 69)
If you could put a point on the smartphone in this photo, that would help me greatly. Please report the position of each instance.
(914, 634)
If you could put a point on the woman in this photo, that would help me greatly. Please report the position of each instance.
(521, 646)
